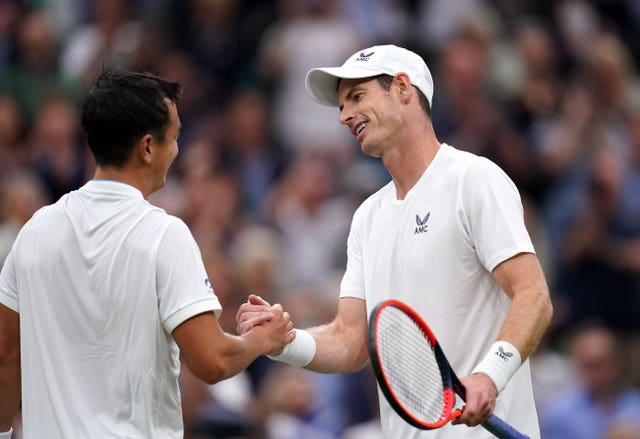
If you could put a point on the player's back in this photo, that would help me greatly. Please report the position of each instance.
(96, 360)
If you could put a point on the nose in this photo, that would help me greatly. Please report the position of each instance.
(345, 116)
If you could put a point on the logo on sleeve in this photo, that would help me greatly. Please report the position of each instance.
(421, 224)
(207, 283)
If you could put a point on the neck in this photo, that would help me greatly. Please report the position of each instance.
(407, 163)
(136, 180)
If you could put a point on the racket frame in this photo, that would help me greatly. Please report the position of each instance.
(450, 381)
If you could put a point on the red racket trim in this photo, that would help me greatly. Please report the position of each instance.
(449, 396)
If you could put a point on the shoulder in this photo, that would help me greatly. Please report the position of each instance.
(372, 203)
(468, 162)
(43, 216)
(174, 231)
(474, 171)
(170, 223)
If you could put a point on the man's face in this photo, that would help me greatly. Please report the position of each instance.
(370, 112)
(167, 150)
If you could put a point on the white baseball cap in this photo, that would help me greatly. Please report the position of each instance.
(322, 83)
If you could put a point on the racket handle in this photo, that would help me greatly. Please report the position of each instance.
(502, 430)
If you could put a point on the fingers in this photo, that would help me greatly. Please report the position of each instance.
(281, 328)
(481, 400)
(253, 304)
(257, 300)
(251, 322)
(255, 311)
(473, 415)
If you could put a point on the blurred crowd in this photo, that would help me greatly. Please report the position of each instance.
(267, 180)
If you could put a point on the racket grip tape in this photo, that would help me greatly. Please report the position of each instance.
(502, 430)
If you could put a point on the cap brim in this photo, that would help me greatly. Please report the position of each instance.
(322, 83)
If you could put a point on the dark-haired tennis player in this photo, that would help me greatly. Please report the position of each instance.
(446, 236)
(102, 290)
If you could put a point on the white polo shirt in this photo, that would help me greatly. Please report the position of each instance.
(100, 280)
(435, 250)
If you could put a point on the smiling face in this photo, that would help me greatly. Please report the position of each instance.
(167, 149)
(372, 113)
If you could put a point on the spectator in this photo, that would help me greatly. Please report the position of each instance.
(312, 220)
(13, 151)
(249, 150)
(111, 36)
(34, 76)
(294, 43)
(21, 194)
(59, 158)
(603, 396)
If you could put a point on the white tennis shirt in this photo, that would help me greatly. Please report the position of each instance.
(100, 279)
(435, 250)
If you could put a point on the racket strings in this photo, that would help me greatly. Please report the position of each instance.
(410, 365)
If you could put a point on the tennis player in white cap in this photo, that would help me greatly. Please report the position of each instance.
(446, 236)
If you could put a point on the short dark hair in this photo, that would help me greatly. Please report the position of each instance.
(121, 107)
(386, 80)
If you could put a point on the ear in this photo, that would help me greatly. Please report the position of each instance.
(144, 147)
(403, 83)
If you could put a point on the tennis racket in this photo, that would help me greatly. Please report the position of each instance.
(413, 372)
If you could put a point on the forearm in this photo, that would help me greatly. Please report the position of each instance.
(237, 352)
(213, 355)
(522, 279)
(10, 389)
(339, 349)
(528, 318)
(521, 331)
(10, 385)
(529, 314)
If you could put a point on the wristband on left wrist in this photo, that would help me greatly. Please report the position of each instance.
(500, 363)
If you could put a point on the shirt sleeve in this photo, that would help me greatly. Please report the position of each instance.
(352, 284)
(494, 214)
(8, 283)
(184, 288)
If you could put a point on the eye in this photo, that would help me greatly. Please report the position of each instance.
(358, 96)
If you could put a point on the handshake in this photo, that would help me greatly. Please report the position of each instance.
(296, 347)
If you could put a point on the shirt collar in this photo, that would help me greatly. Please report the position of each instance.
(113, 186)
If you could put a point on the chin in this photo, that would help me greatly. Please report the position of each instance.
(370, 151)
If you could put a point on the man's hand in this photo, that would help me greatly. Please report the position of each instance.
(278, 330)
(480, 401)
(254, 312)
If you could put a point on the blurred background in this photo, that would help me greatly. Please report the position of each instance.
(267, 180)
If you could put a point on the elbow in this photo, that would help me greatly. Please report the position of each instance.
(210, 375)
(545, 309)
(213, 373)
(355, 366)
(548, 308)
(210, 371)
(359, 361)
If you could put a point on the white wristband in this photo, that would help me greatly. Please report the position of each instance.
(6, 434)
(299, 352)
(500, 363)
